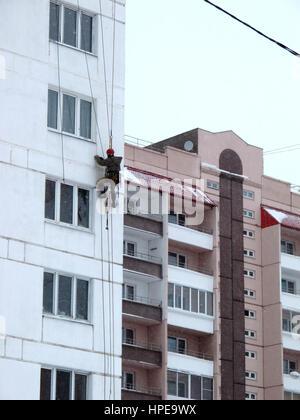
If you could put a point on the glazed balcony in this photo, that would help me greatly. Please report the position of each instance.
(141, 353)
(290, 262)
(143, 310)
(200, 364)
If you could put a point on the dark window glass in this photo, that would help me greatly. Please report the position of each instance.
(172, 218)
(171, 295)
(181, 219)
(54, 22)
(195, 306)
(65, 296)
(172, 380)
(69, 104)
(86, 33)
(48, 293)
(196, 388)
(178, 297)
(70, 27)
(186, 298)
(52, 108)
(202, 302)
(210, 304)
(85, 119)
(172, 258)
(129, 295)
(82, 299)
(207, 385)
(45, 392)
(66, 204)
(50, 200)
(183, 385)
(182, 261)
(172, 344)
(63, 386)
(181, 344)
(128, 380)
(80, 387)
(83, 208)
(131, 249)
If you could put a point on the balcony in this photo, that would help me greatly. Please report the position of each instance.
(142, 310)
(192, 236)
(291, 383)
(191, 276)
(149, 223)
(290, 262)
(133, 393)
(200, 364)
(291, 300)
(143, 263)
(142, 354)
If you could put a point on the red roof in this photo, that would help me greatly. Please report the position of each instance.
(271, 217)
(159, 182)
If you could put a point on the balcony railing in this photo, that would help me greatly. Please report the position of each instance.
(141, 344)
(198, 355)
(141, 389)
(145, 301)
(192, 268)
(155, 217)
(197, 227)
(143, 256)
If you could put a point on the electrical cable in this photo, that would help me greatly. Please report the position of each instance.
(254, 29)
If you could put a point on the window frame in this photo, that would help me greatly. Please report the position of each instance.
(250, 234)
(248, 252)
(74, 302)
(252, 355)
(124, 374)
(247, 293)
(73, 373)
(249, 396)
(251, 375)
(249, 214)
(251, 314)
(289, 362)
(286, 244)
(247, 273)
(177, 345)
(125, 248)
(178, 256)
(250, 195)
(60, 117)
(174, 285)
(251, 334)
(57, 207)
(213, 185)
(189, 376)
(79, 12)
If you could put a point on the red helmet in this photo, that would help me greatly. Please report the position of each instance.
(110, 152)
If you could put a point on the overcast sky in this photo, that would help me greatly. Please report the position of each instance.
(189, 65)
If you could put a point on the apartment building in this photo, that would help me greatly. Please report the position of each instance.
(210, 311)
(60, 288)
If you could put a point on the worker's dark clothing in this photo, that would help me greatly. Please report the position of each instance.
(113, 167)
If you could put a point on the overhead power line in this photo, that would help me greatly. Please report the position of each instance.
(254, 29)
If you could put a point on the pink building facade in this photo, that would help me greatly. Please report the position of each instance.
(211, 311)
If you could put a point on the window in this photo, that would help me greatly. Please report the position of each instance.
(212, 185)
(249, 273)
(249, 253)
(189, 386)
(251, 355)
(66, 296)
(250, 314)
(249, 234)
(251, 376)
(63, 385)
(249, 293)
(177, 260)
(130, 248)
(291, 396)
(71, 27)
(289, 366)
(249, 214)
(128, 380)
(128, 336)
(76, 114)
(250, 334)
(177, 345)
(191, 300)
(287, 247)
(248, 194)
(288, 287)
(67, 204)
(250, 396)
(177, 219)
(128, 292)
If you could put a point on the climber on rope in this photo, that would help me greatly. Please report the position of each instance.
(112, 173)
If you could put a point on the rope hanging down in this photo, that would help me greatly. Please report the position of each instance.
(254, 29)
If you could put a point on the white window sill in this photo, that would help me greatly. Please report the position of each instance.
(66, 319)
(72, 227)
(73, 48)
(52, 130)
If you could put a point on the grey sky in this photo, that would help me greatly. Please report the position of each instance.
(188, 66)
